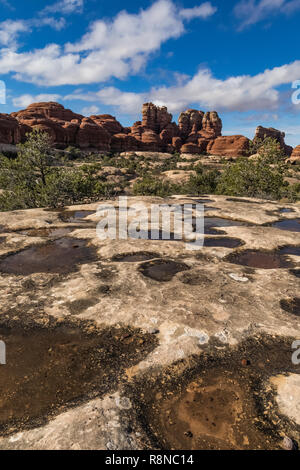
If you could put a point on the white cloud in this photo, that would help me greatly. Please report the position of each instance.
(25, 100)
(239, 93)
(65, 7)
(251, 11)
(203, 11)
(115, 48)
(10, 30)
(54, 23)
(90, 110)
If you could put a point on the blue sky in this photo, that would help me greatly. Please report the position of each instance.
(237, 57)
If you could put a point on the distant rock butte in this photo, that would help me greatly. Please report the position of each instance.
(196, 132)
(262, 132)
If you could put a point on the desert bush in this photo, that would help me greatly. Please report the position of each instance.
(204, 182)
(252, 179)
(34, 180)
(262, 178)
(73, 153)
(151, 186)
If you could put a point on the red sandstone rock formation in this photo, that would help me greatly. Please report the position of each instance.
(155, 118)
(91, 135)
(211, 125)
(10, 132)
(109, 123)
(190, 122)
(124, 143)
(197, 132)
(295, 157)
(262, 133)
(229, 146)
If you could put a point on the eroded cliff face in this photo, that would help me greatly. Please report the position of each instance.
(262, 132)
(295, 157)
(196, 132)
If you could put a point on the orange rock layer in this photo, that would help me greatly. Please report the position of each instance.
(196, 132)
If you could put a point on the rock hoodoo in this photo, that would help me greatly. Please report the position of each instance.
(196, 132)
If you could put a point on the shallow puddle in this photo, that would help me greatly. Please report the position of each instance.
(286, 210)
(75, 216)
(221, 401)
(210, 208)
(247, 201)
(50, 369)
(149, 235)
(135, 257)
(211, 223)
(291, 306)
(162, 270)
(265, 259)
(204, 201)
(59, 256)
(223, 242)
(292, 225)
(47, 232)
(295, 272)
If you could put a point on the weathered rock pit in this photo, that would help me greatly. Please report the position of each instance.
(292, 225)
(51, 369)
(291, 306)
(195, 305)
(135, 257)
(219, 400)
(162, 270)
(265, 259)
(59, 256)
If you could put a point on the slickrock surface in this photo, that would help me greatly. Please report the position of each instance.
(196, 132)
(133, 344)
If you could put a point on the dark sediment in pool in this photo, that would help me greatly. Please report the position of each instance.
(150, 235)
(75, 216)
(135, 257)
(204, 201)
(246, 201)
(59, 256)
(225, 242)
(47, 232)
(162, 270)
(265, 259)
(291, 306)
(295, 272)
(220, 401)
(48, 370)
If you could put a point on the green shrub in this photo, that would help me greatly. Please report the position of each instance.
(33, 179)
(204, 182)
(150, 186)
(253, 179)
